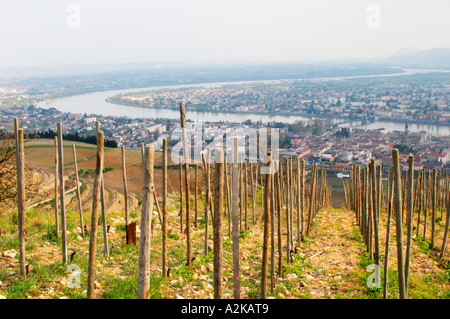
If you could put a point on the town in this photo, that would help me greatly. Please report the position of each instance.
(336, 148)
(417, 98)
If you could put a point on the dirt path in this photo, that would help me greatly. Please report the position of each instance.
(333, 255)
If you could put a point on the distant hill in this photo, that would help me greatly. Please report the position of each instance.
(433, 58)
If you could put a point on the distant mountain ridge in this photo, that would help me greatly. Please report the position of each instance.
(435, 58)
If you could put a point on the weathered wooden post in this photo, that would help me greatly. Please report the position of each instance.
(278, 196)
(241, 196)
(371, 214)
(218, 224)
(164, 209)
(158, 209)
(447, 219)
(398, 221)
(358, 195)
(302, 196)
(377, 215)
(409, 219)
(427, 204)
(288, 223)
(146, 224)
(388, 232)
(312, 199)
(373, 171)
(105, 229)
(21, 204)
(419, 199)
(77, 180)
(255, 192)
(364, 206)
(125, 189)
(103, 208)
(188, 215)
(186, 154)
(235, 219)
(208, 202)
(438, 193)
(291, 202)
(272, 227)
(265, 252)
(180, 167)
(95, 211)
(316, 201)
(195, 197)
(299, 186)
(61, 192)
(227, 194)
(252, 189)
(433, 212)
(245, 196)
(56, 188)
(207, 197)
(344, 184)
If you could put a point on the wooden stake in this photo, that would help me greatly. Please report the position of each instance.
(217, 224)
(409, 219)
(255, 192)
(375, 209)
(420, 199)
(302, 196)
(102, 200)
(61, 192)
(94, 218)
(278, 196)
(180, 166)
(447, 219)
(265, 253)
(188, 216)
(398, 221)
(245, 196)
(433, 212)
(241, 197)
(299, 176)
(186, 183)
(291, 203)
(288, 223)
(77, 180)
(195, 197)
(227, 195)
(146, 224)
(312, 199)
(235, 219)
(252, 189)
(272, 231)
(207, 199)
(388, 232)
(56, 188)
(105, 233)
(125, 188)
(164, 209)
(372, 208)
(21, 204)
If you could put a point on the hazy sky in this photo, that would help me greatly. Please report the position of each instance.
(58, 32)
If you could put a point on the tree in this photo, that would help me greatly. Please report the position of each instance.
(285, 141)
(8, 186)
(7, 168)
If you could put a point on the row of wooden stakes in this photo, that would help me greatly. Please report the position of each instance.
(285, 195)
(284, 188)
(424, 195)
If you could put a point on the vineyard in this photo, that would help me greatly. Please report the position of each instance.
(115, 223)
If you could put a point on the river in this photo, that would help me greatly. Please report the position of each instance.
(95, 103)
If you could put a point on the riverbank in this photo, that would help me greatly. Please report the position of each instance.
(287, 114)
